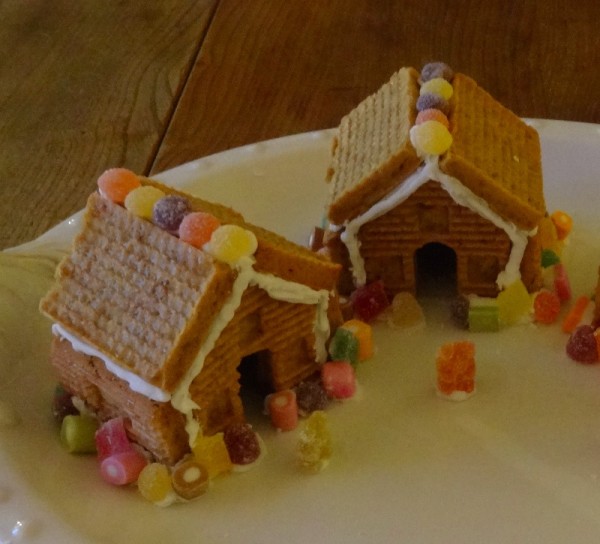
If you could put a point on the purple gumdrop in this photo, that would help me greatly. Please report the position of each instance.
(435, 101)
(311, 396)
(436, 69)
(582, 346)
(168, 212)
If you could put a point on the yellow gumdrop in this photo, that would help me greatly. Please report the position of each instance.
(211, 452)
(229, 243)
(154, 482)
(431, 138)
(141, 200)
(439, 86)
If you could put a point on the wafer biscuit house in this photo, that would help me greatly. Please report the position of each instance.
(455, 193)
(151, 328)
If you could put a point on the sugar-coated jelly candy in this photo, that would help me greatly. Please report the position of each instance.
(433, 101)
(514, 304)
(369, 301)
(548, 236)
(190, 478)
(455, 363)
(546, 307)
(154, 484)
(364, 334)
(62, 404)
(436, 69)
(77, 433)
(575, 314)
(582, 346)
(314, 442)
(283, 409)
(562, 285)
(123, 468)
(242, 443)
(339, 380)
(439, 86)
(112, 438)
(563, 223)
(116, 183)
(484, 315)
(229, 243)
(168, 212)
(211, 452)
(549, 258)
(459, 311)
(196, 228)
(140, 201)
(432, 114)
(405, 311)
(311, 396)
(343, 346)
(430, 138)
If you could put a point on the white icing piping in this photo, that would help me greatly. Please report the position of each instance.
(460, 194)
(133, 380)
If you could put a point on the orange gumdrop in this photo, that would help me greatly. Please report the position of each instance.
(116, 183)
(563, 223)
(432, 114)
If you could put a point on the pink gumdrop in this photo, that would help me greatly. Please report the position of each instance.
(432, 114)
(123, 468)
(369, 301)
(562, 285)
(111, 438)
(338, 379)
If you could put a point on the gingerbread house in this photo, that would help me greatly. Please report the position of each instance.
(411, 217)
(151, 328)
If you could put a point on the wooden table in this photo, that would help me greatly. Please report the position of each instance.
(92, 84)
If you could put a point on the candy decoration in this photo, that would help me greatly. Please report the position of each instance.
(311, 396)
(562, 285)
(548, 236)
(575, 314)
(283, 409)
(549, 258)
(546, 307)
(455, 363)
(112, 438)
(432, 114)
(314, 442)
(123, 468)
(369, 301)
(116, 183)
(439, 86)
(430, 138)
(211, 452)
(196, 228)
(190, 479)
(140, 201)
(62, 404)
(230, 243)
(364, 334)
(344, 346)
(436, 69)
(563, 223)
(582, 346)
(154, 483)
(484, 316)
(242, 443)
(77, 433)
(433, 101)
(168, 212)
(514, 303)
(338, 379)
(405, 311)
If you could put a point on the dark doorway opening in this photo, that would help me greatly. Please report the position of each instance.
(435, 271)
(255, 381)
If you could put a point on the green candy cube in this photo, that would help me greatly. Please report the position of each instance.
(344, 346)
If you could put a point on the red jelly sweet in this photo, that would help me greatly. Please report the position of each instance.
(582, 346)
(369, 301)
(242, 443)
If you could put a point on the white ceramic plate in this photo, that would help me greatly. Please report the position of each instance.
(519, 461)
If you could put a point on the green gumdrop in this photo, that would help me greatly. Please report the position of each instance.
(549, 258)
(484, 317)
(77, 433)
(344, 346)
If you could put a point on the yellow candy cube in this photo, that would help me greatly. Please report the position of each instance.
(211, 452)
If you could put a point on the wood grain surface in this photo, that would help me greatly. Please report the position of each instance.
(85, 86)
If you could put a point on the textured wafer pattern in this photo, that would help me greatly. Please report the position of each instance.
(372, 152)
(136, 293)
(495, 154)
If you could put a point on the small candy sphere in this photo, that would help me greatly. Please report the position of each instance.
(430, 138)
(229, 243)
(436, 69)
(432, 114)
(438, 86)
(429, 100)
(116, 183)
(168, 212)
(141, 200)
(154, 482)
(197, 228)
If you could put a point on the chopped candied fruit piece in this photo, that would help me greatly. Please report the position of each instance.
(242, 443)
(116, 183)
(549, 258)
(455, 364)
(575, 314)
(154, 483)
(190, 478)
(369, 301)
(314, 442)
(364, 334)
(211, 452)
(546, 307)
(344, 346)
(582, 346)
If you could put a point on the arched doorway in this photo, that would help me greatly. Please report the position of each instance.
(435, 270)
